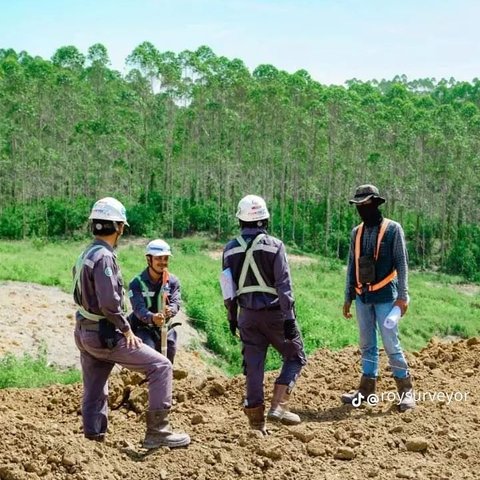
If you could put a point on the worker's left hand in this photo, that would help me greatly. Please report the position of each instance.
(290, 329)
(402, 305)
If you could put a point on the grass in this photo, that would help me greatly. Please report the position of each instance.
(31, 372)
(437, 308)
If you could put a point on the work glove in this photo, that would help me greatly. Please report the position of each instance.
(290, 329)
(233, 327)
(232, 315)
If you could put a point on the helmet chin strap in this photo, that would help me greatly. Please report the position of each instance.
(118, 234)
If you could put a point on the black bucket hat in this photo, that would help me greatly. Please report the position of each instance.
(367, 192)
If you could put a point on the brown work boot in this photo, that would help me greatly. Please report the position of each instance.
(405, 393)
(367, 387)
(256, 418)
(278, 411)
(159, 433)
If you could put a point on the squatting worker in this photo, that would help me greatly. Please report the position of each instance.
(155, 298)
(263, 291)
(104, 337)
(377, 279)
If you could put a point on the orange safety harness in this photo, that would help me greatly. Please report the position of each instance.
(358, 238)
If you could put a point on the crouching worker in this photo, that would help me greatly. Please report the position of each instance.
(155, 298)
(262, 286)
(104, 337)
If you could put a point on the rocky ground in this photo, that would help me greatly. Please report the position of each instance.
(41, 433)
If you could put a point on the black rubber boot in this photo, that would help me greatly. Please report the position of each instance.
(367, 387)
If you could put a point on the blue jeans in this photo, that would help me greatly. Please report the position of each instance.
(370, 316)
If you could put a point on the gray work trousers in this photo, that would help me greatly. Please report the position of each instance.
(97, 363)
(258, 330)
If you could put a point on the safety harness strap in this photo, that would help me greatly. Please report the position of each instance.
(249, 262)
(162, 299)
(89, 315)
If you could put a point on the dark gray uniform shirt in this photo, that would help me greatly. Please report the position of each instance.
(271, 260)
(139, 302)
(102, 286)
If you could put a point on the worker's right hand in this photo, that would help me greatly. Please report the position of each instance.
(158, 319)
(132, 340)
(346, 310)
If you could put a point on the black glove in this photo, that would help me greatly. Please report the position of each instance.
(233, 326)
(290, 329)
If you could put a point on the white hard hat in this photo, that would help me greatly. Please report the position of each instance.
(109, 208)
(252, 209)
(158, 248)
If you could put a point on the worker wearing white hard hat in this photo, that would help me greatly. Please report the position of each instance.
(104, 336)
(262, 308)
(155, 298)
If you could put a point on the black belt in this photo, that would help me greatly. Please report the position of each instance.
(264, 309)
(272, 308)
(90, 327)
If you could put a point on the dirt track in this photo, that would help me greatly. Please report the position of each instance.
(42, 438)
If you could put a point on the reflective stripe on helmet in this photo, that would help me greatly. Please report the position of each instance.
(158, 248)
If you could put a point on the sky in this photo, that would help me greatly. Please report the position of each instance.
(334, 41)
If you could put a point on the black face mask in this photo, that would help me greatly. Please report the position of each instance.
(370, 214)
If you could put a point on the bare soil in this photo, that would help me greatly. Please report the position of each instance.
(41, 434)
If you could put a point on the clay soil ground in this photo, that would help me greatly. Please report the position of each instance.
(41, 433)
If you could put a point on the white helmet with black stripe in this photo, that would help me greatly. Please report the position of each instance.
(158, 248)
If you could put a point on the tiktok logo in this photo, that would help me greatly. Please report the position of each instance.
(372, 400)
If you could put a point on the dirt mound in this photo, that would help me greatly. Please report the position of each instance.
(42, 436)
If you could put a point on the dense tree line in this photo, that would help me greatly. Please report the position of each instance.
(183, 136)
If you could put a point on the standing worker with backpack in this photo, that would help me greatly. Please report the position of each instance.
(104, 337)
(155, 298)
(261, 286)
(377, 279)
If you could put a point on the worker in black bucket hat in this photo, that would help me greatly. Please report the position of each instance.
(377, 279)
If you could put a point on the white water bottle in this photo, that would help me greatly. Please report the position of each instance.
(393, 317)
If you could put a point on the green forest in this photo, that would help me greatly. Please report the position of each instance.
(181, 137)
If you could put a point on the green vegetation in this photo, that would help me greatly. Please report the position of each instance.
(438, 307)
(30, 372)
(183, 136)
